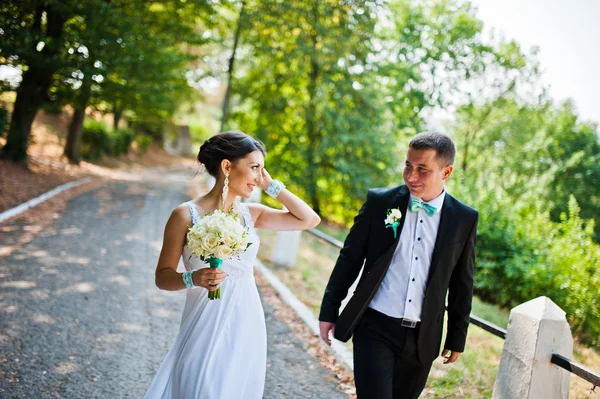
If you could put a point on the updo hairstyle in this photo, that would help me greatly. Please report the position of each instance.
(231, 145)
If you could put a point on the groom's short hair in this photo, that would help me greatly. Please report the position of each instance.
(442, 144)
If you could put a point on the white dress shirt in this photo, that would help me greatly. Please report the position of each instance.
(402, 290)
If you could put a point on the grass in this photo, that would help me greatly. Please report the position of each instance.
(472, 376)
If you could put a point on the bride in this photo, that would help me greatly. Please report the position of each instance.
(220, 350)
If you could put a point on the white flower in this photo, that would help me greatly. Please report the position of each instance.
(224, 252)
(218, 235)
(229, 239)
(210, 242)
(242, 245)
(395, 213)
(214, 224)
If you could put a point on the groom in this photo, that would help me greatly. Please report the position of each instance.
(397, 311)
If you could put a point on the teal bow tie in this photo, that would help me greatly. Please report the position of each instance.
(415, 205)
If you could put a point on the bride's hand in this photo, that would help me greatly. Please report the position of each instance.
(209, 278)
(265, 180)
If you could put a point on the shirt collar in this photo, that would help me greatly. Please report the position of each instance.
(437, 201)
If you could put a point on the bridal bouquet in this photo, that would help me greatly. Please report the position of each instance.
(216, 237)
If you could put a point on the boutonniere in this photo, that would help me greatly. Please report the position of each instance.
(393, 219)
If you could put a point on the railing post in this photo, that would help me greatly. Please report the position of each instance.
(536, 330)
(184, 141)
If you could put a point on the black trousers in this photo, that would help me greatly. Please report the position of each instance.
(386, 365)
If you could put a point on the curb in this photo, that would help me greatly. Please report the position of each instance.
(342, 353)
(38, 200)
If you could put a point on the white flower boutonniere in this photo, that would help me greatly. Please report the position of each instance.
(393, 219)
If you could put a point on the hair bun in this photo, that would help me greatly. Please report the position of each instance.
(231, 145)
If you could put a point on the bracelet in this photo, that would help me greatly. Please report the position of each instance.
(275, 188)
(187, 279)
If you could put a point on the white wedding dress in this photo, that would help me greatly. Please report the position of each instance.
(221, 348)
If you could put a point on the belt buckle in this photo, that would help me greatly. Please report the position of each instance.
(408, 323)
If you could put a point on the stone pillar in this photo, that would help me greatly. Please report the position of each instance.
(286, 248)
(536, 330)
(184, 141)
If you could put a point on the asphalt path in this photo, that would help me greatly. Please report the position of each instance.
(80, 316)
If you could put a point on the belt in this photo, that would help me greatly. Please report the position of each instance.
(409, 323)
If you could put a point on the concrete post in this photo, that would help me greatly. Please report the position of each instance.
(286, 248)
(536, 330)
(184, 141)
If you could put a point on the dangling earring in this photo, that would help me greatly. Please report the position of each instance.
(225, 190)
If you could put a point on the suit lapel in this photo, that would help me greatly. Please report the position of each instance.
(446, 223)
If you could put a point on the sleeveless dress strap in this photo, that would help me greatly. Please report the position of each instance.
(246, 214)
(193, 212)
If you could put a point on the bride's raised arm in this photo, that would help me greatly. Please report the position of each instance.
(298, 216)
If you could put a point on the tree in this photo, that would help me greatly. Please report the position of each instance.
(141, 58)
(304, 90)
(335, 88)
(231, 65)
(78, 52)
(539, 152)
(32, 36)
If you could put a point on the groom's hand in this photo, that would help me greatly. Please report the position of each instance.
(325, 327)
(450, 358)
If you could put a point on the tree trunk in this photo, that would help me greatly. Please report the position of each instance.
(73, 144)
(311, 122)
(33, 90)
(230, 68)
(25, 107)
(117, 114)
(74, 138)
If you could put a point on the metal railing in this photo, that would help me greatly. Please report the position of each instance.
(576, 369)
(560, 361)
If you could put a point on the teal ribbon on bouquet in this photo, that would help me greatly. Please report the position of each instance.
(394, 227)
(215, 263)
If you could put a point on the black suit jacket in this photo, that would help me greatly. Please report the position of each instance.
(370, 243)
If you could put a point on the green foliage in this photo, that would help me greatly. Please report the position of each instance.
(539, 151)
(307, 94)
(523, 254)
(532, 171)
(123, 56)
(98, 140)
(143, 141)
(199, 133)
(95, 141)
(121, 140)
(335, 89)
(146, 75)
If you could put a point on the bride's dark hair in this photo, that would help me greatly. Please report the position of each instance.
(231, 145)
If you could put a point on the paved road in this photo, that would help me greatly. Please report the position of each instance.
(80, 316)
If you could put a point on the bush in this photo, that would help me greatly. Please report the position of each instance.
(95, 140)
(144, 142)
(523, 254)
(121, 141)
